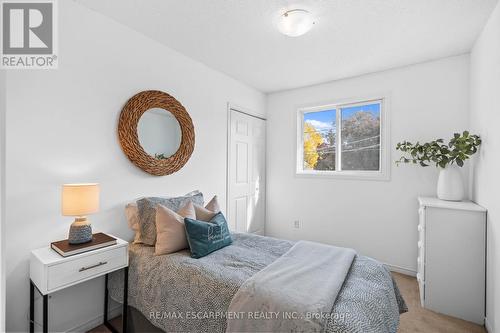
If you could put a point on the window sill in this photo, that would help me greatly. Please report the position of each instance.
(348, 175)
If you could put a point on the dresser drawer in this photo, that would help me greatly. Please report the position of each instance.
(421, 233)
(421, 223)
(421, 265)
(421, 289)
(72, 271)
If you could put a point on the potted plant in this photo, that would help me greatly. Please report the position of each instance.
(446, 157)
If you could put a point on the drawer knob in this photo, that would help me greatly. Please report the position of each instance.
(100, 263)
(419, 228)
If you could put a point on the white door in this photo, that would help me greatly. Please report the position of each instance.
(246, 172)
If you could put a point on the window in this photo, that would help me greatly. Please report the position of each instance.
(343, 139)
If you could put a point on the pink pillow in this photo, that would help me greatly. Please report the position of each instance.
(208, 212)
(132, 214)
(170, 232)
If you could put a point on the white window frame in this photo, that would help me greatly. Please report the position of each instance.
(382, 174)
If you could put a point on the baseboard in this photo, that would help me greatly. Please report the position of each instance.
(96, 321)
(489, 329)
(402, 270)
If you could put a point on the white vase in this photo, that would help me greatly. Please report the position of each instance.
(450, 184)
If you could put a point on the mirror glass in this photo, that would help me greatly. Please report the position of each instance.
(159, 133)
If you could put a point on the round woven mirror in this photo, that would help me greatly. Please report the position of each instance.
(156, 132)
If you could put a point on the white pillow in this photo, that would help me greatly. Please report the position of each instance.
(170, 231)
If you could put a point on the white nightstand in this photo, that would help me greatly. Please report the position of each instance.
(50, 272)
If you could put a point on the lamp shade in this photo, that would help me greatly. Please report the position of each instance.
(79, 199)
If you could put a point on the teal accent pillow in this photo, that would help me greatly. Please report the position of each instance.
(207, 237)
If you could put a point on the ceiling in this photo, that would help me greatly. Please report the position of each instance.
(350, 37)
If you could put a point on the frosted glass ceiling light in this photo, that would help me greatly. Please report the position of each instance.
(295, 22)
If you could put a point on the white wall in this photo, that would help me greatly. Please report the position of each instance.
(62, 128)
(485, 118)
(377, 218)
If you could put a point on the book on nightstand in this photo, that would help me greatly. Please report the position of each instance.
(99, 240)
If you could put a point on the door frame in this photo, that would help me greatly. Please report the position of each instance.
(248, 112)
(3, 135)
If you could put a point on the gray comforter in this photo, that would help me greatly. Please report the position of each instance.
(181, 294)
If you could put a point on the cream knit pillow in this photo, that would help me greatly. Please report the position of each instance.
(170, 231)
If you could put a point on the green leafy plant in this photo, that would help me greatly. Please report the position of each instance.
(460, 148)
(160, 156)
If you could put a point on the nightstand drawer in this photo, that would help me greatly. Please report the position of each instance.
(72, 271)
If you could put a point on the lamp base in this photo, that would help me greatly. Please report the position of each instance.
(80, 231)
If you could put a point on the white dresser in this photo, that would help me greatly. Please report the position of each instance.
(451, 258)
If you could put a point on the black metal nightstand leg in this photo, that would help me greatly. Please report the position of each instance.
(125, 301)
(106, 302)
(45, 313)
(32, 307)
(45, 310)
(106, 298)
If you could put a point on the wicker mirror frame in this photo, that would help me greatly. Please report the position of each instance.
(129, 140)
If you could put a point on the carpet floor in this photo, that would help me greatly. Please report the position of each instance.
(416, 320)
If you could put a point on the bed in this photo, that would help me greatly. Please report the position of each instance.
(175, 292)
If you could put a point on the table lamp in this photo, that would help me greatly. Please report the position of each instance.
(79, 200)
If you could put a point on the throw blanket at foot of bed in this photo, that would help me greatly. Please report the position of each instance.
(295, 293)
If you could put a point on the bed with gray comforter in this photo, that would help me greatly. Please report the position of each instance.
(177, 293)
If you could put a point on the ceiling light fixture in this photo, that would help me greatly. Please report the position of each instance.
(295, 22)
